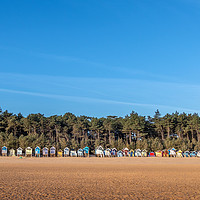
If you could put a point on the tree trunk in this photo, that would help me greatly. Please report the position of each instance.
(162, 135)
(130, 139)
(187, 136)
(192, 131)
(109, 136)
(168, 132)
(198, 136)
(98, 134)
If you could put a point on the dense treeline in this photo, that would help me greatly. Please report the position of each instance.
(181, 131)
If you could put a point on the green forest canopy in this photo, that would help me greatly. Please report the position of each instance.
(181, 131)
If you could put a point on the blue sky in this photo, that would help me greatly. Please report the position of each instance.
(100, 58)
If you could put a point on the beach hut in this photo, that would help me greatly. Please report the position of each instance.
(152, 154)
(60, 153)
(144, 153)
(114, 152)
(12, 152)
(19, 151)
(37, 152)
(165, 153)
(107, 152)
(172, 152)
(80, 153)
(193, 154)
(4, 151)
(159, 153)
(86, 151)
(179, 154)
(131, 153)
(138, 153)
(28, 152)
(66, 151)
(52, 152)
(125, 151)
(119, 153)
(45, 152)
(99, 151)
(186, 154)
(198, 154)
(73, 153)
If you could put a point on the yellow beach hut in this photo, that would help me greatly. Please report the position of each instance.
(28, 152)
(144, 153)
(131, 153)
(159, 153)
(12, 152)
(179, 154)
(60, 153)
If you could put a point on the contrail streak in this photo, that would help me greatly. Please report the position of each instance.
(88, 99)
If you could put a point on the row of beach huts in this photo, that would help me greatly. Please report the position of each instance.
(45, 152)
(99, 152)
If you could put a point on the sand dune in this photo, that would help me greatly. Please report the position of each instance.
(99, 178)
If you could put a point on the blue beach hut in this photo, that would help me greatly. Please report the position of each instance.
(113, 152)
(4, 151)
(52, 152)
(119, 153)
(80, 153)
(66, 152)
(86, 151)
(193, 154)
(45, 152)
(37, 152)
(186, 154)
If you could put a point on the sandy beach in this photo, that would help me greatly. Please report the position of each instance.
(99, 178)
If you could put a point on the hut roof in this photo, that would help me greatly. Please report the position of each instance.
(28, 148)
(138, 149)
(100, 148)
(126, 149)
(66, 148)
(80, 150)
(72, 149)
(12, 150)
(45, 148)
(20, 148)
(52, 148)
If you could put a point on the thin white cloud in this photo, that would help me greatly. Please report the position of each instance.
(53, 80)
(95, 100)
(135, 71)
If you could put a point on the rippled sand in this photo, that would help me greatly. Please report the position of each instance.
(99, 178)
